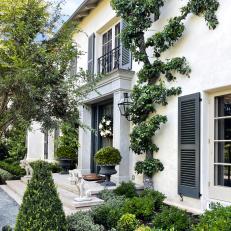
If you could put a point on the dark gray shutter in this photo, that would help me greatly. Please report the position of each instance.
(91, 53)
(189, 145)
(126, 56)
(46, 135)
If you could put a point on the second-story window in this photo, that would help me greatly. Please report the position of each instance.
(114, 54)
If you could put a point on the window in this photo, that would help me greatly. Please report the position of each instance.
(222, 141)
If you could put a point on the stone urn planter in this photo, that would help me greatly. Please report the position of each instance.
(107, 171)
(66, 157)
(107, 158)
(65, 164)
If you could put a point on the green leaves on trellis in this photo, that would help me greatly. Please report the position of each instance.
(146, 97)
(149, 92)
(141, 136)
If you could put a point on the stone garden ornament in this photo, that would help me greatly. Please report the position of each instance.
(76, 178)
(26, 165)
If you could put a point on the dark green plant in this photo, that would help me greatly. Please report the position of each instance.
(127, 222)
(41, 208)
(6, 228)
(157, 198)
(141, 207)
(148, 92)
(54, 167)
(108, 156)
(172, 217)
(127, 189)
(108, 213)
(5, 175)
(219, 218)
(13, 168)
(149, 167)
(63, 152)
(81, 221)
(3, 151)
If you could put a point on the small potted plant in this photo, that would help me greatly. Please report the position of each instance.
(66, 157)
(107, 158)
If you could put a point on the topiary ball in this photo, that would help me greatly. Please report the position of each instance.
(108, 156)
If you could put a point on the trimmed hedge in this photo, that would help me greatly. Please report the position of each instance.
(41, 207)
(127, 222)
(5, 175)
(13, 168)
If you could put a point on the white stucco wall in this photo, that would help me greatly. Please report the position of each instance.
(208, 53)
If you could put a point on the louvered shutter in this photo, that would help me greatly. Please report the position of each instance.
(91, 53)
(126, 56)
(189, 145)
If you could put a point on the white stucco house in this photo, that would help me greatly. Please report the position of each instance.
(197, 167)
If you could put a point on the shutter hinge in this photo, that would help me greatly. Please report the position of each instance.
(209, 141)
(200, 99)
(209, 183)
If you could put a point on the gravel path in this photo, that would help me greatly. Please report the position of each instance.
(8, 210)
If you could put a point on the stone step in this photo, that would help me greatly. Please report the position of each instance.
(12, 194)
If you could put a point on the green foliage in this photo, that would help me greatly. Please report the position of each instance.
(82, 221)
(127, 222)
(149, 167)
(3, 151)
(140, 136)
(35, 64)
(7, 228)
(141, 207)
(148, 93)
(108, 213)
(172, 217)
(5, 175)
(106, 194)
(12, 168)
(108, 156)
(41, 207)
(143, 228)
(63, 152)
(219, 218)
(157, 198)
(54, 167)
(161, 41)
(126, 189)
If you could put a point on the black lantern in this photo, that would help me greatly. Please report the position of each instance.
(124, 106)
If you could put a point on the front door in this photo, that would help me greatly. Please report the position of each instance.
(99, 112)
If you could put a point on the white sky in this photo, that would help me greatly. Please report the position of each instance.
(70, 6)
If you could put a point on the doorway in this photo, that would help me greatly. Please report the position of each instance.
(100, 111)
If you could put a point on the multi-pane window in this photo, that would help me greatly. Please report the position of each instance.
(117, 46)
(107, 48)
(222, 141)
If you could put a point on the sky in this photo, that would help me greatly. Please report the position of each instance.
(70, 6)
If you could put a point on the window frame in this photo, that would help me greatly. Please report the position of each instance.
(217, 192)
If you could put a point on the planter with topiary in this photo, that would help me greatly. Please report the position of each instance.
(67, 157)
(107, 158)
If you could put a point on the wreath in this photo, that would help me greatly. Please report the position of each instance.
(105, 127)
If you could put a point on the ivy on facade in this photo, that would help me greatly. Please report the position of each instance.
(151, 89)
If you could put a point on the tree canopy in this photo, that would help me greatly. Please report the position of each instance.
(35, 58)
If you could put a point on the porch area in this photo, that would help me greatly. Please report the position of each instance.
(67, 192)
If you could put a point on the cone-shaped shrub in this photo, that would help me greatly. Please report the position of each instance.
(41, 208)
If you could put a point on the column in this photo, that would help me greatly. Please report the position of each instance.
(84, 151)
(121, 139)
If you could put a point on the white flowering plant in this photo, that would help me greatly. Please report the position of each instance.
(105, 127)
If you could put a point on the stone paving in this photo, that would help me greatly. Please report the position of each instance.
(8, 210)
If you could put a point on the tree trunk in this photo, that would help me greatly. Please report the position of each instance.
(148, 181)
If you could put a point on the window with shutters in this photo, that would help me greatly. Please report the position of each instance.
(114, 55)
(222, 141)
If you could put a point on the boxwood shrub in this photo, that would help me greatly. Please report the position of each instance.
(5, 175)
(219, 218)
(13, 168)
(172, 218)
(108, 156)
(108, 213)
(126, 189)
(41, 207)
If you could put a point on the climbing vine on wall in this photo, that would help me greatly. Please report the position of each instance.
(151, 89)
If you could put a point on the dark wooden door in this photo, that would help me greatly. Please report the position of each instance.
(98, 112)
